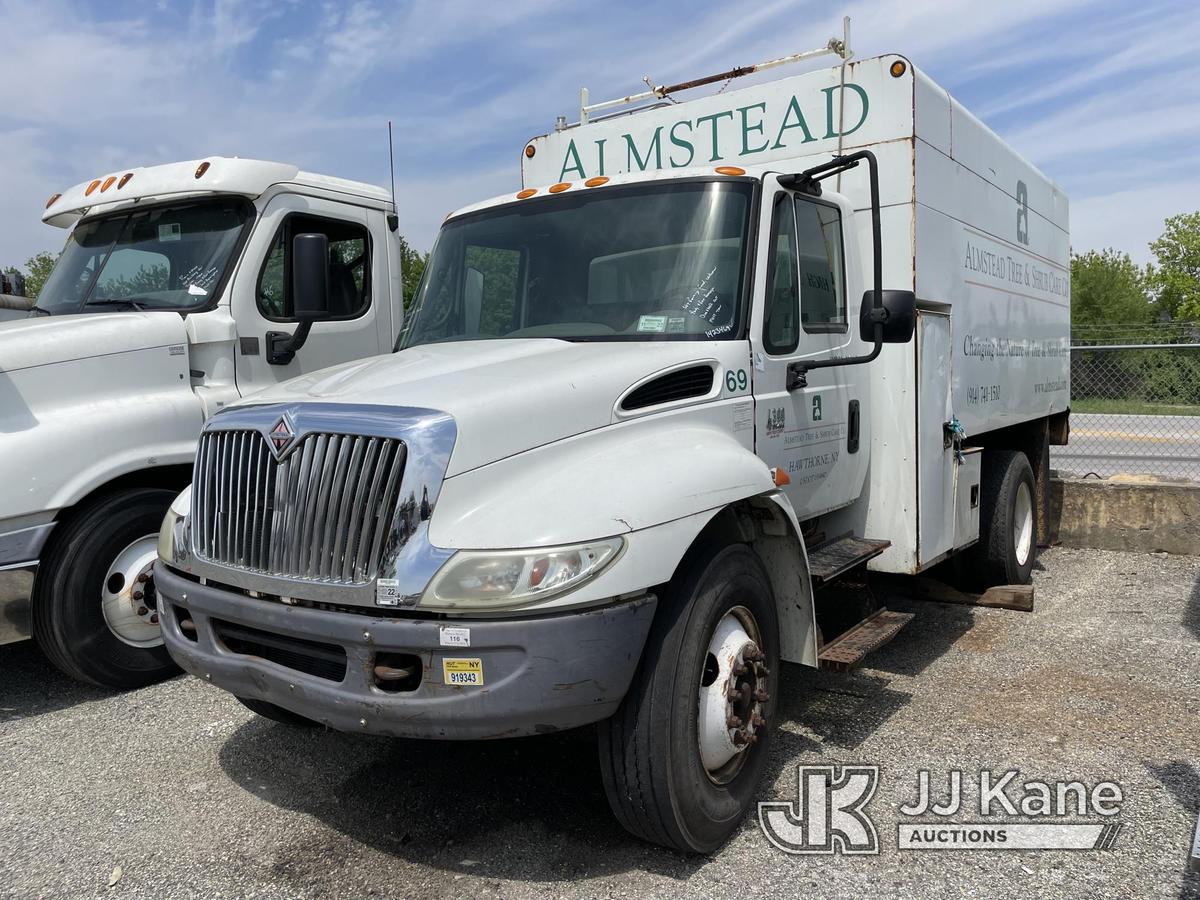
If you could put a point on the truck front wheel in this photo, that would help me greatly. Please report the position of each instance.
(683, 756)
(95, 611)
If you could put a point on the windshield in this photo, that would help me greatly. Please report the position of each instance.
(163, 257)
(648, 262)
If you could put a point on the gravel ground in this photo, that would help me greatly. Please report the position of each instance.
(191, 795)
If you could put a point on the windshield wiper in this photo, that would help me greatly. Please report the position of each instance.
(40, 310)
(117, 301)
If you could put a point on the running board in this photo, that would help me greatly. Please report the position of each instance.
(839, 556)
(848, 649)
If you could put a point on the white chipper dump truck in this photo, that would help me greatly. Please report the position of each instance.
(713, 356)
(172, 298)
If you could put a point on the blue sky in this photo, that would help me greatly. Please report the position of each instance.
(1104, 97)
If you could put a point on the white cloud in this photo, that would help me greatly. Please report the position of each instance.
(467, 83)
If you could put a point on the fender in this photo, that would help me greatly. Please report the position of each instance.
(658, 484)
(606, 482)
(115, 400)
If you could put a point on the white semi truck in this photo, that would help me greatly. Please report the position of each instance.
(647, 409)
(172, 298)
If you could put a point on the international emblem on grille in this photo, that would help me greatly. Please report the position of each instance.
(281, 436)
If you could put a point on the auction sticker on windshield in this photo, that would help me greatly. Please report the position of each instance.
(462, 671)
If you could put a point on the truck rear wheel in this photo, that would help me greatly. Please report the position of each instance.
(683, 756)
(1007, 521)
(95, 611)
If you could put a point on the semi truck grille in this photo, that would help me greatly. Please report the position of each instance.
(322, 513)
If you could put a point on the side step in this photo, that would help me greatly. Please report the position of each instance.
(840, 555)
(848, 649)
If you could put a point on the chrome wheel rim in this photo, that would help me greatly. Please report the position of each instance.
(733, 691)
(127, 595)
(1023, 524)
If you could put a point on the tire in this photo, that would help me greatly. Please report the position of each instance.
(276, 713)
(72, 600)
(1008, 521)
(657, 784)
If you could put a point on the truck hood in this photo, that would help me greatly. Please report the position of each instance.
(506, 396)
(46, 340)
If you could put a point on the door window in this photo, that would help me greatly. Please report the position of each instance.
(822, 288)
(349, 268)
(781, 331)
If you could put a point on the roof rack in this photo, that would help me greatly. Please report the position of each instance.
(836, 46)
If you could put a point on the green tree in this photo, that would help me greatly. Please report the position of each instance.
(1175, 280)
(1108, 287)
(412, 264)
(37, 270)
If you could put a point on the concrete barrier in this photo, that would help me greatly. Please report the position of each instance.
(1126, 512)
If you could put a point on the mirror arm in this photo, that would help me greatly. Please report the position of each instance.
(282, 345)
(797, 372)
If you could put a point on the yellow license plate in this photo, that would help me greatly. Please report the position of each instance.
(463, 671)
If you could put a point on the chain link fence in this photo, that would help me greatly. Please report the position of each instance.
(1135, 402)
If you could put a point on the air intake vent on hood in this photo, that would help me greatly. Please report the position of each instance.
(682, 384)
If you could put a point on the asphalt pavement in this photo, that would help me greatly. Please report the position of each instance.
(1110, 444)
(177, 791)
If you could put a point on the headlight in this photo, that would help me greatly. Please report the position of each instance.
(503, 578)
(176, 512)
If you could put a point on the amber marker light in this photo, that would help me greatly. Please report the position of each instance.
(108, 182)
(91, 188)
(560, 187)
(53, 199)
(730, 170)
(899, 67)
(124, 180)
(530, 150)
(597, 181)
(201, 169)
(526, 194)
(781, 477)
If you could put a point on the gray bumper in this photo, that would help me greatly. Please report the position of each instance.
(539, 674)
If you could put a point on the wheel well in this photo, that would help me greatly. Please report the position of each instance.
(760, 523)
(174, 478)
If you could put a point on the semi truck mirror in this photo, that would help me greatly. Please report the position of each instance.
(310, 276)
(310, 296)
(899, 317)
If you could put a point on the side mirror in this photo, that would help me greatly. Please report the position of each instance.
(310, 276)
(310, 296)
(899, 319)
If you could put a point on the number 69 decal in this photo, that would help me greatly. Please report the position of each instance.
(736, 381)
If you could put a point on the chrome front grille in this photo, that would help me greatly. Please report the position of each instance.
(322, 513)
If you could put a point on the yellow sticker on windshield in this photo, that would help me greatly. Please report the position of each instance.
(463, 671)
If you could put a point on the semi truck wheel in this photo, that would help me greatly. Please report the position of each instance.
(1007, 521)
(276, 713)
(683, 756)
(95, 611)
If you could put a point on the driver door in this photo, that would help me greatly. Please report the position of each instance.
(261, 296)
(813, 433)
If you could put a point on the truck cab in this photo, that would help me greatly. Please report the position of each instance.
(645, 412)
(173, 297)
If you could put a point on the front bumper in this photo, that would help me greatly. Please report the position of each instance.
(539, 674)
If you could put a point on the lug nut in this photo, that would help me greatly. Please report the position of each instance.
(761, 696)
(739, 670)
(154, 619)
(757, 721)
(137, 595)
(733, 722)
(738, 739)
(143, 578)
(142, 611)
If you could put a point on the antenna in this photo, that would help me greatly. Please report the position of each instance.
(393, 218)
